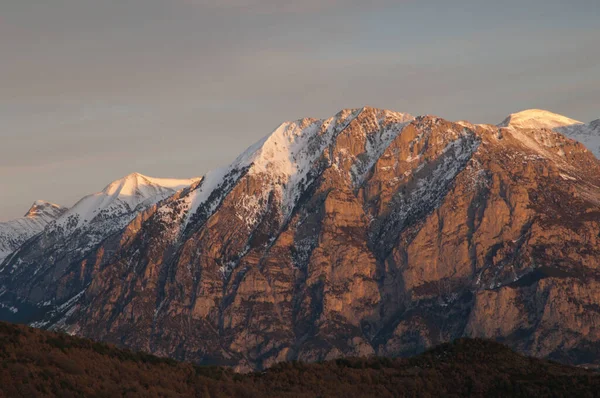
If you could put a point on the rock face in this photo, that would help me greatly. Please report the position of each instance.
(371, 232)
(16, 232)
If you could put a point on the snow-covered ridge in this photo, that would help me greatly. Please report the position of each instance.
(285, 158)
(16, 232)
(138, 184)
(44, 211)
(123, 196)
(281, 156)
(537, 119)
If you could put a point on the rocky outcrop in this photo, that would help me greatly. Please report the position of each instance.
(371, 232)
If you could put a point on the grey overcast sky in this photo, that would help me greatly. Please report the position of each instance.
(91, 90)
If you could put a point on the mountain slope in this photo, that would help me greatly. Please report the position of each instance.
(37, 363)
(16, 232)
(371, 232)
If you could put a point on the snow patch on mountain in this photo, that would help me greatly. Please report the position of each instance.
(287, 156)
(390, 125)
(212, 181)
(423, 193)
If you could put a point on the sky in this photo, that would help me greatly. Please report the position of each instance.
(92, 90)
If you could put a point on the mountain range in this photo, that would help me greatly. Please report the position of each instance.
(368, 233)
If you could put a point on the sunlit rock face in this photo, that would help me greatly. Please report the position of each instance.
(371, 232)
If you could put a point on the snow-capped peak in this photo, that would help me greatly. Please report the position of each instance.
(537, 119)
(136, 184)
(290, 150)
(287, 155)
(277, 154)
(16, 232)
(121, 197)
(284, 154)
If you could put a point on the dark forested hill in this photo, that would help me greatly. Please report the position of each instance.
(40, 363)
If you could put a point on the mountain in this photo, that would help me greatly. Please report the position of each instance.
(74, 233)
(535, 119)
(40, 363)
(16, 232)
(371, 232)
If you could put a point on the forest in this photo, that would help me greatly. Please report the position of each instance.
(40, 363)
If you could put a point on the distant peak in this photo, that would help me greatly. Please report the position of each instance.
(131, 183)
(41, 203)
(127, 183)
(43, 207)
(536, 119)
(135, 176)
